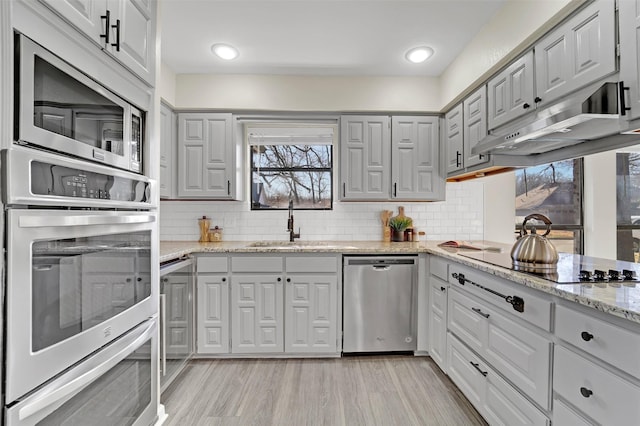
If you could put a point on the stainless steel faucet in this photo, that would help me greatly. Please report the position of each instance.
(292, 233)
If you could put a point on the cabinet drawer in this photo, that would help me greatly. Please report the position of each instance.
(563, 415)
(327, 264)
(212, 264)
(256, 264)
(600, 394)
(537, 309)
(466, 320)
(438, 267)
(600, 339)
(497, 401)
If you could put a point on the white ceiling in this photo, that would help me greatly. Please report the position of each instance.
(311, 37)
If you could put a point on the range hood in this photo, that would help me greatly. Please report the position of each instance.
(586, 115)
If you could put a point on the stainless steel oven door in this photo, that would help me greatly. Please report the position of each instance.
(116, 386)
(76, 280)
(63, 110)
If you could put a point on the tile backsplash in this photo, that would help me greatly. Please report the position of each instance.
(459, 217)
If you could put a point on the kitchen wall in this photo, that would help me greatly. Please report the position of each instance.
(307, 93)
(459, 217)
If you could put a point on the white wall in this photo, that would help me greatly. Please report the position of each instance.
(460, 217)
(600, 205)
(512, 25)
(167, 84)
(499, 207)
(307, 93)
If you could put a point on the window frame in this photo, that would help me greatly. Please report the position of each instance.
(577, 229)
(253, 169)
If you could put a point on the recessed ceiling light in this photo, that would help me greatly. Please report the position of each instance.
(419, 54)
(225, 51)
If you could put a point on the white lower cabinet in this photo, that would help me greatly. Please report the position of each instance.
(496, 400)
(310, 313)
(600, 394)
(438, 321)
(212, 295)
(257, 306)
(284, 304)
(521, 355)
(563, 415)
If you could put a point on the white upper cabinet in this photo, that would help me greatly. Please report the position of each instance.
(415, 158)
(475, 125)
(88, 16)
(365, 158)
(578, 52)
(123, 28)
(454, 139)
(205, 157)
(629, 23)
(510, 93)
(132, 38)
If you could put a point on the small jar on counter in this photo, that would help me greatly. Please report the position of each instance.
(215, 234)
(408, 234)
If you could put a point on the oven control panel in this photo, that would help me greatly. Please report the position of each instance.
(60, 181)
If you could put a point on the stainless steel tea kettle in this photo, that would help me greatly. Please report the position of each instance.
(533, 249)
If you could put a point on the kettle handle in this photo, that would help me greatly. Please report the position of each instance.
(539, 217)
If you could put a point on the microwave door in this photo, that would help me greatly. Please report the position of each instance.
(63, 110)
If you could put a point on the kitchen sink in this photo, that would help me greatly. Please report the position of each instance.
(293, 245)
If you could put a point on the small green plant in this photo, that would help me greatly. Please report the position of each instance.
(399, 223)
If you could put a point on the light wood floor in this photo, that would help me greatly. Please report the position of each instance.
(363, 390)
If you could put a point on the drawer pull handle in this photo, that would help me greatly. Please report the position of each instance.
(586, 392)
(479, 312)
(477, 367)
(586, 336)
(515, 301)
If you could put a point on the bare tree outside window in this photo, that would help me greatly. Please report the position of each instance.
(298, 172)
(554, 190)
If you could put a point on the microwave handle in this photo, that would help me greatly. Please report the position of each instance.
(61, 221)
(75, 385)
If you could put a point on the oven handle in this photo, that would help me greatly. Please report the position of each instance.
(75, 385)
(59, 221)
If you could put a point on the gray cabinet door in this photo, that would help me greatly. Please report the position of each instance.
(204, 155)
(132, 38)
(257, 313)
(212, 327)
(85, 15)
(510, 94)
(629, 22)
(311, 313)
(475, 125)
(454, 139)
(438, 321)
(167, 151)
(578, 52)
(415, 159)
(365, 163)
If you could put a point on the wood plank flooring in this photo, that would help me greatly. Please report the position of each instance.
(363, 390)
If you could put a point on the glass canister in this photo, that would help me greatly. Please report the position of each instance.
(215, 234)
(204, 224)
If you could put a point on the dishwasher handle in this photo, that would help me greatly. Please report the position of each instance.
(381, 268)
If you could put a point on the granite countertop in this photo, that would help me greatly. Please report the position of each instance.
(621, 301)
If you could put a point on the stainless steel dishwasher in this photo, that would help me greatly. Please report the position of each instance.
(379, 303)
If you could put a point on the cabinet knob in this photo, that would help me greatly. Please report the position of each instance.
(586, 336)
(279, 279)
(224, 279)
(526, 106)
(443, 288)
(537, 100)
(288, 280)
(128, 280)
(586, 392)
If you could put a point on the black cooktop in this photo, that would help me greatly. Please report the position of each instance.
(570, 269)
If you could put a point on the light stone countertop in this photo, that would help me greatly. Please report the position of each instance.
(622, 301)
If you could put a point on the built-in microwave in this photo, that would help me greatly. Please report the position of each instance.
(61, 109)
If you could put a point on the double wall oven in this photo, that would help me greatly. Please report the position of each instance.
(81, 314)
